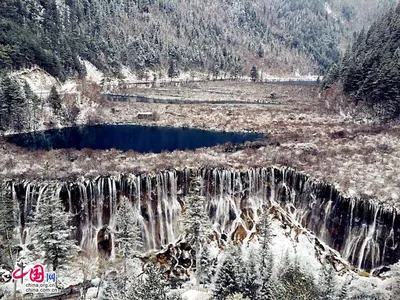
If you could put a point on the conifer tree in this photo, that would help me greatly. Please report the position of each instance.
(4, 109)
(296, 284)
(8, 223)
(254, 74)
(55, 100)
(328, 284)
(127, 236)
(266, 259)
(196, 222)
(230, 274)
(260, 51)
(12, 105)
(172, 72)
(206, 267)
(128, 233)
(32, 103)
(52, 231)
(150, 285)
(114, 288)
(251, 279)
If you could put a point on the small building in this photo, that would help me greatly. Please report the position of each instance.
(150, 116)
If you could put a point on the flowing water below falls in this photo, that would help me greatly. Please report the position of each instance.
(365, 233)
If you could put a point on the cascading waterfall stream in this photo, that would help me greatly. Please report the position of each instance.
(368, 245)
(365, 233)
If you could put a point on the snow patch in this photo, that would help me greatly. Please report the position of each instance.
(195, 295)
(329, 11)
(92, 293)
(128, 75)
(69, 86)
(39, 80)
(297, 77)
(92, 73)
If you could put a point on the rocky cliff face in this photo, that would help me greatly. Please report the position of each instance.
(365, 233)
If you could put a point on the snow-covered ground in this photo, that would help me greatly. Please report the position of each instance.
(304, 251)
(39, 80)
(92, 73)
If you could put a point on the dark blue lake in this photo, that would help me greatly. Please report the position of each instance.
(128, 137)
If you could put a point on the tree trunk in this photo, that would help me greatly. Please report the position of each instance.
(197, 251)
(125, 276)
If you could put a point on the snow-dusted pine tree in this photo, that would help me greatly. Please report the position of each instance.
(197, 225)
(206, 268)
(52, 231)
(12, 104)
(127, 233)
(151, 285)
(55, 100)
(113, 288)
(266, 259)
(8, 222)
(32, 102)
(296, 283)
(128, 240)
(328, 283)
(251, 279)
(344, 291)
(230, 274)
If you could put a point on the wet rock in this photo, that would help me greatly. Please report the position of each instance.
(247, 216)
(364, 274)
(239, 235)
(380, 271)
(253, 236)
(162, 259)
(185, 246)
(104, 242)
(5, 274)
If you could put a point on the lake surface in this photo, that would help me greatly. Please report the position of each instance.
(128, 137)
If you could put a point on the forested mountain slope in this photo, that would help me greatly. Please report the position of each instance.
(223, 37)
(369, 72)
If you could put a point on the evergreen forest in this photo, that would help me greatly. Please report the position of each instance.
(223, 38)
(369, 71)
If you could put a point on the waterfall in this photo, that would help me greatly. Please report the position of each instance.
(363, 232)
(368, 242)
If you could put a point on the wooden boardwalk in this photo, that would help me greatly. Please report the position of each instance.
(143, 99)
